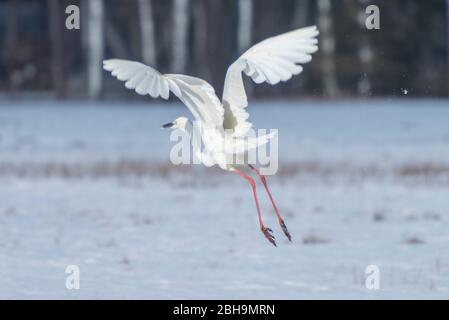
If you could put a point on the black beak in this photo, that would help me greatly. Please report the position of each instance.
(167, 125)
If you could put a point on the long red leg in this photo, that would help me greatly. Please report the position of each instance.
(267, 232)
(281, 221)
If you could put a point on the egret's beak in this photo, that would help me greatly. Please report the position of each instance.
(167, 125)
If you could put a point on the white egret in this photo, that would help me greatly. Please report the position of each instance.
(225, 124)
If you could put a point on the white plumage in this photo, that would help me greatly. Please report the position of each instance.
(224, 125)
(195, 93)
(272, 60)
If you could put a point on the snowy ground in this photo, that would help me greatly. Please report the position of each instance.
(90, 185)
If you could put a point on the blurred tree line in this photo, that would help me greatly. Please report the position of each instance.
(408, 55)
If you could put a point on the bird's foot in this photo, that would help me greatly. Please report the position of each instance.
(268, 233)
(284, 228)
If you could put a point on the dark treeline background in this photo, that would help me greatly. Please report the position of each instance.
(39, 56)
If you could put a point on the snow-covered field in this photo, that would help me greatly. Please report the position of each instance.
(360, 183)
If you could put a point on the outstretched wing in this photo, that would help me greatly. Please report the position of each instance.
(272, 60)
(195, 93)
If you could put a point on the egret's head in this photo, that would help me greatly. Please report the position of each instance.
(179, 123)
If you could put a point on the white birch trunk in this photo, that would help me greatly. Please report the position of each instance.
(148, 43)
(327, 48)
(180, 33)
(365, 52)
(245, 22)
(95, 44)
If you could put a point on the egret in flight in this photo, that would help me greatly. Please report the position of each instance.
(225, 124)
